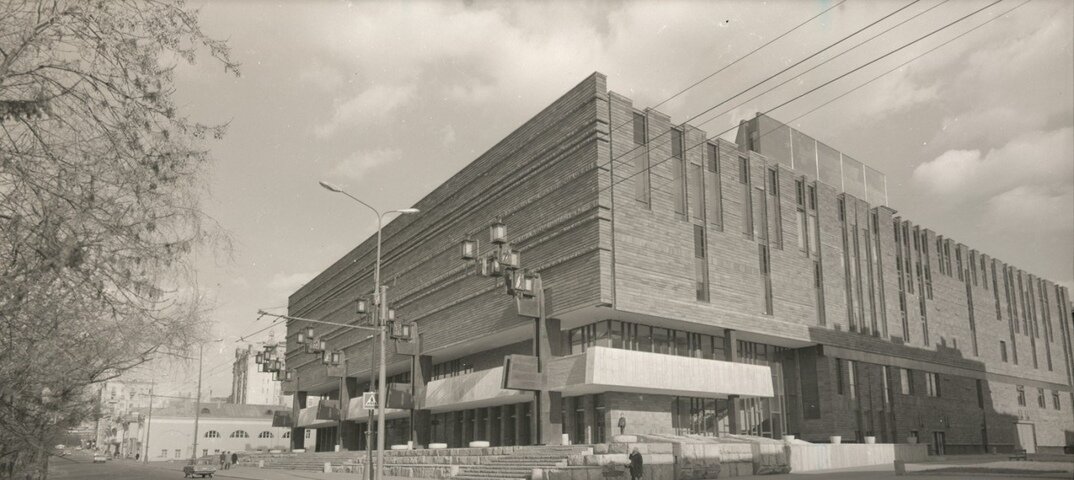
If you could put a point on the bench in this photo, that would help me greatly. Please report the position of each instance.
(1019, 454)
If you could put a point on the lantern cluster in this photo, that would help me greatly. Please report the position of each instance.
(268, 361)
(309, 342)
(503, 262)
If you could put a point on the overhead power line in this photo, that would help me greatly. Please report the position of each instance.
(810, 91)
(766, 79)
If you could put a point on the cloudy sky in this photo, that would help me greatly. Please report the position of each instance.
(391, 98)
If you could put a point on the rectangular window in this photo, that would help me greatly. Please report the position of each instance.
(973, 267)
(1021, 395)
(743, 170)
(697, 192)
(958, 262)
(818, 286)
(713, 158)
(717, 185)
(799, 192)
(678, 186)
(932, 384)
(766, 276)
(676, 143)
(995, 292)
(641, 173)
(885, 373)
(839, 386)
(639, 129)
(947, 257)
(803, 235)
(701, 265)
(980, 394)
(1055, 400)
(775, 215)
(906, 381)
(1040, 398)
(852, 382)
(1003, 350)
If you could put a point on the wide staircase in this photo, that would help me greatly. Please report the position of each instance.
(489, 463)
(520, 464)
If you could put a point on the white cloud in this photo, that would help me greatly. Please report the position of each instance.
(289, 282)
(1033, 159)
(357, 166)
(321, 76)
(370, 106)
(1032, 210)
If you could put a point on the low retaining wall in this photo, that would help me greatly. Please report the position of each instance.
(807, 458)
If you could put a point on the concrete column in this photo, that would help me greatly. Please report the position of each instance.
(733, 414)
(467, 427)
(520, 422)
(492, 426)
(507, 437)
(350, 429)
(449, 428)
(422, 370)
(298, 434)
(730, 345)
(590, 416)
(567, 409)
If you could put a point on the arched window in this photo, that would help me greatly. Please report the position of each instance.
(286, 434)
(265, 434)
(212, 434)
(240, 434)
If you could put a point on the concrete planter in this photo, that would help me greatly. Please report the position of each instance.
(437, 445)
(788, 438)
(870, 440)
(835, 439)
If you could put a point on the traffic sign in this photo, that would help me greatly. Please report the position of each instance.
(369, 400)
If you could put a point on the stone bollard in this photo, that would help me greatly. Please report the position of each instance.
(327, 467)
(836, 439)
(900, 468)
(260, 464)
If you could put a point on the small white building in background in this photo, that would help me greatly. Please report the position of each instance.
(222, 427)
(250, 387)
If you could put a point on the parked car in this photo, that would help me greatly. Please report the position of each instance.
(203, 468)
(99, 458)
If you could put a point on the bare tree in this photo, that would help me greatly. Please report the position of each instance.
(99, 183)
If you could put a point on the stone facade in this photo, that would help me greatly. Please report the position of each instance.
(706, 238)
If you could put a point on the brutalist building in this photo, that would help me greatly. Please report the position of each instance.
(690, 287)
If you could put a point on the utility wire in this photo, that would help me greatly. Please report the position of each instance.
(739, 59)
(899, 66)
(814, 89)
(766, 79)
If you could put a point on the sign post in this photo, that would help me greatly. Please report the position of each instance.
(369, 400)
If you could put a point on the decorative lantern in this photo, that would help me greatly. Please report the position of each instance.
(325, 357)
(511, 259)
(259, 358)
(391, 315)
(336, 358)
(290, 376)
(322, 345)
(402, 331)
(301, 340)
(276, 375)
(309, 333)
(362, 307)
(498, 233)
(493, 267)
(469, 249)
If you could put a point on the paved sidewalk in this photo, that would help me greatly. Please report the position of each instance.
(252, 473)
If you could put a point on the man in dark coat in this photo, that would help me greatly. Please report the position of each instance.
(234, 459)
(223, 457)
(622, 424)
(636, 466)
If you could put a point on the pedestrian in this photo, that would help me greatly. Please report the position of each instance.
(227, 460)
(636, 465)
(622, 424)
(223, 456)
(234, 458)
(137, 456)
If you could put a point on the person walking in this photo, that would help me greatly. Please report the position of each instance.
(636, 464)
(223, 456)
(227, 461)
(622, 424)
(234, 458)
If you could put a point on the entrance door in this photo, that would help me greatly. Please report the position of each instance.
(939, 441)
(1027, 437)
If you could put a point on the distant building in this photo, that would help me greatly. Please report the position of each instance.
(222, 427)
(250, 387)
(118, 399)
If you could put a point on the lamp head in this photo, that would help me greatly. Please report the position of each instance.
(330, 187)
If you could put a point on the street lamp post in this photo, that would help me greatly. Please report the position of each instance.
(382, 313)
(197, 401)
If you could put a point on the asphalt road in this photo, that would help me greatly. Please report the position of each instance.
(80, 466)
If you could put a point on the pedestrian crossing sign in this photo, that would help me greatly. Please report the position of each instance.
(369, 400)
